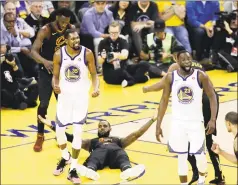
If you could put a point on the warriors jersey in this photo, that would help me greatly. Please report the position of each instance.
(74, 74)
(186, 97)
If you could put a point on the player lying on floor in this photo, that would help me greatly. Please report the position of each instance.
(106, 150)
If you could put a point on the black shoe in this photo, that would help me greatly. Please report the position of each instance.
(194, 178)
(218, 181)
(61, 165)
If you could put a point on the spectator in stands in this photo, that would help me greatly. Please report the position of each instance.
(22, 8)
(35, 18)
(94, 24)
(23, 28)
(113, 54)
(13, 94)
(120, 11)
(173, 13)
(157, 50)
(48, 8)
(225, 43)
(65, 4)
(201, 19)
(142, 16)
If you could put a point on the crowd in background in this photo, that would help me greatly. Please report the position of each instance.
(146, 34)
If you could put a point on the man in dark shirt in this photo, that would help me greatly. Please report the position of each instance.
(108, 151)
(49, 39)
(142, 16)
(113, 54)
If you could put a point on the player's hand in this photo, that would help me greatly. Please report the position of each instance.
(145, 89)
(210, 127)
(45, 120)
(95, 93)
(215, 148)
(49, 66)
(159, 133)
(57, 89)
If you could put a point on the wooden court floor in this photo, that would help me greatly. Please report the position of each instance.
(126, 109)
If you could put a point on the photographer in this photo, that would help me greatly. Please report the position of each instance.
(157, 50)
(113, 54)
(13, 94)
(225, 43)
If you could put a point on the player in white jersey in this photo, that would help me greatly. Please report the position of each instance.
(186, 86)
(72, 64)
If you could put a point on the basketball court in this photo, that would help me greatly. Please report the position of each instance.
(127, 110)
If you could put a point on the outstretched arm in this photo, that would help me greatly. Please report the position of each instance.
(125, 142)
(86, 143)
(92, 69)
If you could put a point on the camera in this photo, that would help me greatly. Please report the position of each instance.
(9, 56)
(224, 16)
(110, 56)
(156, 50)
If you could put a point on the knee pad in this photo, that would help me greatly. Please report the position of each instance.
(77, 133)
(201, 162)
(182, 164)
(60, 135)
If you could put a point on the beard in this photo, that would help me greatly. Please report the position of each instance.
(105, 134)
(186, 69)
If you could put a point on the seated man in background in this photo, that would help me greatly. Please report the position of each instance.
(157, 50)
(106, 150)
(113, 55)
(14, 94)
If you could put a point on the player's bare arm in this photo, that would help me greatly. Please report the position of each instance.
(209, 90)
(163, 105)
(92, 69)
(56, 71)
(35, 50)
(135, 135)
(160, 85)
(86, 143)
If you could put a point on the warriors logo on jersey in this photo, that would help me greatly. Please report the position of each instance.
(185, 95)
(72, 73)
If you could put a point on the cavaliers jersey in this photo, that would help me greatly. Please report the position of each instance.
(186, 97)
(51, 45)
(74, 74)
(109, 143)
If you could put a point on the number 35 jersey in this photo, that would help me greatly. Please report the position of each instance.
(186, 97)
(74, 74)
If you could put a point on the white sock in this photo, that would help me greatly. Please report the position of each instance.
(185, 183)
(74, 163)
(65, 153)
(201, 179)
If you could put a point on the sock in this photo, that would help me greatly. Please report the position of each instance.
(73, 164)
(65, 154)
(201, 179)
(185, 183)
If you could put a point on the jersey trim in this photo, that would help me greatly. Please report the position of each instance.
(199, 83)
(72, 58)
(184, 79)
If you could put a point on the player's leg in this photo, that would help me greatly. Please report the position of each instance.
(178, 143)
(45, 91)
(193, 163)
(196, 135)
(209, 141)
(76, 147)
(62, 142)
(118, 159)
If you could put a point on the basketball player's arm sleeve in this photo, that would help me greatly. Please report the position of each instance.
(56, 67)
(35, 50)
(86, 143)
(164, 100)
(125, 142)
(209, 90)
(92, 69)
